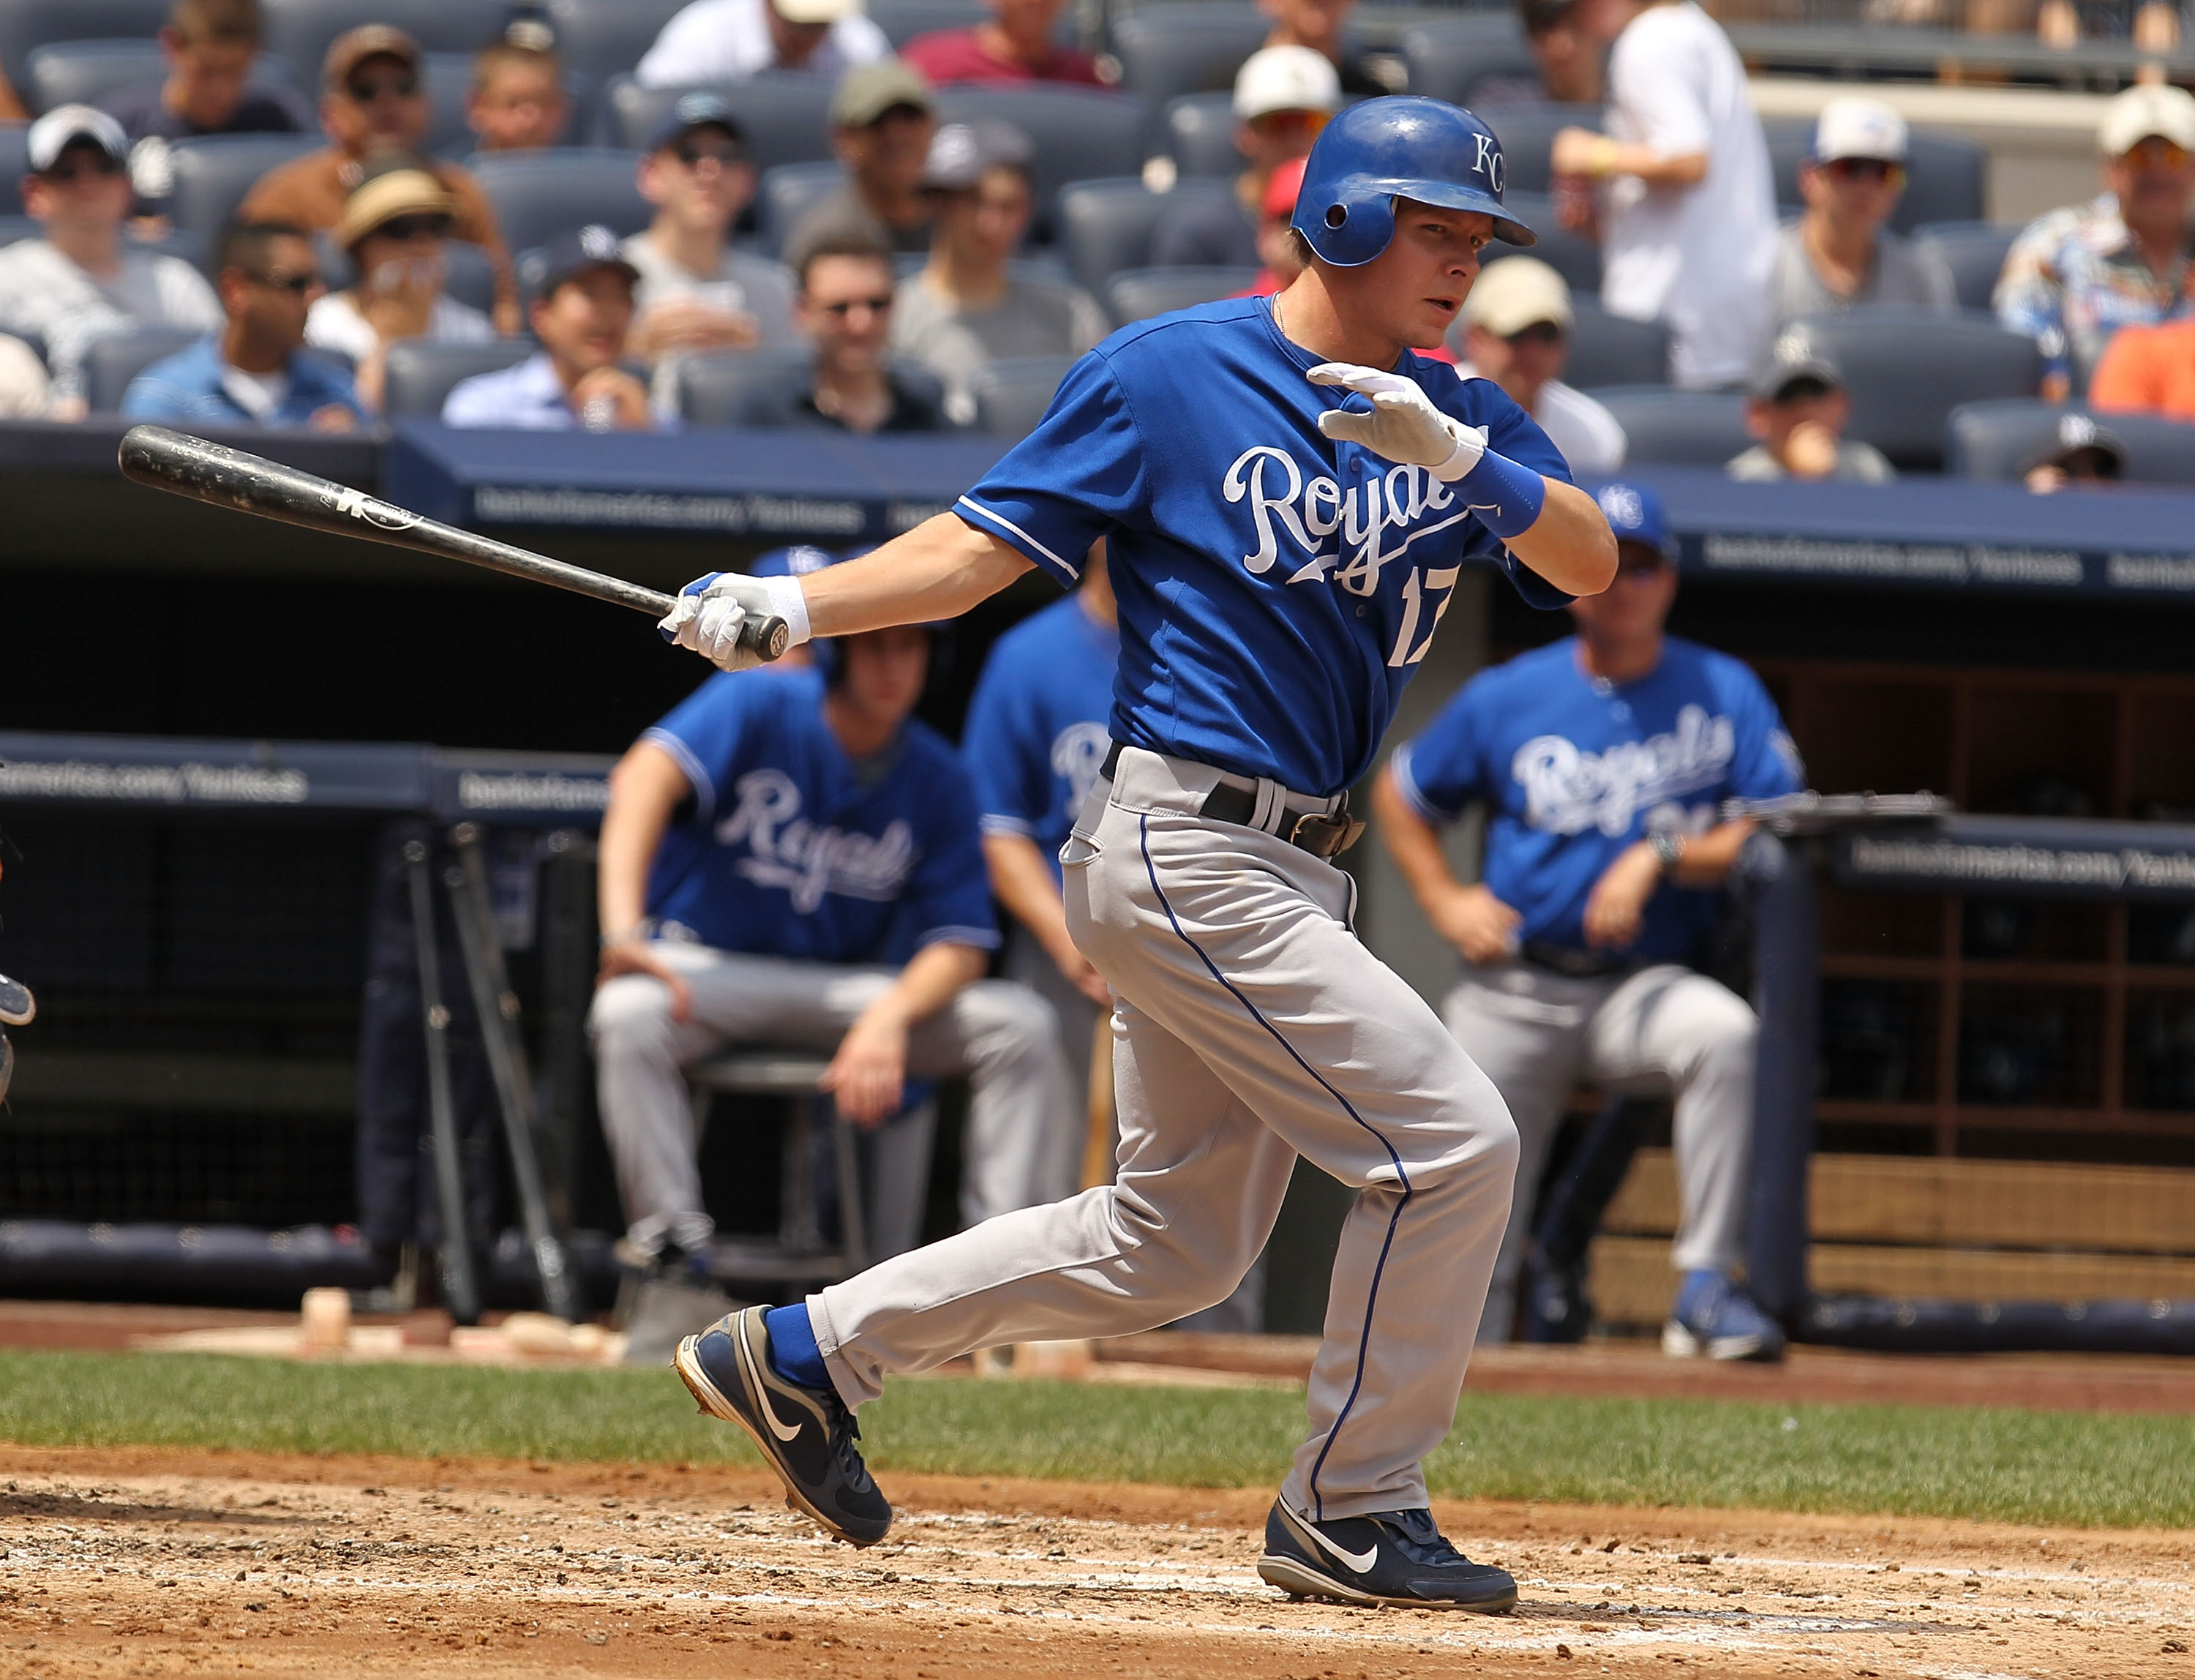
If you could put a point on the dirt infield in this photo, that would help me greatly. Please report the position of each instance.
(147, 1563)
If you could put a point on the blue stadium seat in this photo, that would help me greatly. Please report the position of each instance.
(1571, 255)
(1450, 56)
(1106, 226)
(301, 31)
(1200, 134)
(89, 73)
(1527, 133)
(1907, 369)
(1974, 253)
(111, 363)
(214, 174)
(1186, 46)
(788, 193)
(26, 25)
(1080, 134)
(1946, 175)
(14, 162)
(1140, 293)
(1011, 394)
(421, 376)
(1999, 440)
(1608, 349)
(901, 21)
(538, 193)
(786, 118)
(760, 388)
(1679, 428)
(603, 38)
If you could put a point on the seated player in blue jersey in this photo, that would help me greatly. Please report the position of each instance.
(1288, 492)
(1601, 760)
(793, 858)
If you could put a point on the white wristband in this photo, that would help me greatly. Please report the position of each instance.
(789, 603)
(1470, 450)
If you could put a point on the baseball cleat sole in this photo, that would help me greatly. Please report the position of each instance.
(1298, 1580)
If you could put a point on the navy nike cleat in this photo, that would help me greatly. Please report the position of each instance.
(807, 1434)
(1387, 1557)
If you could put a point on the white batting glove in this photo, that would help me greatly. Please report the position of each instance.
(1403, 424)
(709, 611)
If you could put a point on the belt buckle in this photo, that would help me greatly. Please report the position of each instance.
(1325, 836)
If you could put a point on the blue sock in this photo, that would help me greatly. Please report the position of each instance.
(793, 1354)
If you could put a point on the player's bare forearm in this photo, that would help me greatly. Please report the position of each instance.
(646, 786)
(1411, 842)
(938, 570)
(1709, 857)
(1023, 883)
(1569, 543)
(933, 977)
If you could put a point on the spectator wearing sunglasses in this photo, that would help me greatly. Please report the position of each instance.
(845, 307)
(1517, 321)
(1283, 96)
(2075, 276)
(83, 280)
(696, 292)
(395, 228)
(255, 371)
(1839, 255)
(371, 102)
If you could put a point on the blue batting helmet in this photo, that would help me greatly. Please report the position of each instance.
(1399, 148)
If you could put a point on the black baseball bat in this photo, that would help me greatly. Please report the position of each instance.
(184, 465)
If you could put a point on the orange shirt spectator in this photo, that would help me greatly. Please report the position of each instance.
(2148, 367)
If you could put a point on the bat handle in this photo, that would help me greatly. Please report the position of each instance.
(767, 637)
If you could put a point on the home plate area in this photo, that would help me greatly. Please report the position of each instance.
(152, 1563)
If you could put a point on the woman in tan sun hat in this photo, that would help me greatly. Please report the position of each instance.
(394, 227)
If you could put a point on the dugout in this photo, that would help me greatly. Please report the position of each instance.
(2008, 1105)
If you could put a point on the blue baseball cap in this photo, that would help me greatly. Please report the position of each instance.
(698, 110)
(1634, 513)
(566, 255)
(795, 562)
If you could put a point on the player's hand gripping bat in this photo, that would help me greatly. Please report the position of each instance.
(213, 472)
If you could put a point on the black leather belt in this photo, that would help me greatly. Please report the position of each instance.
(1575, 965)
(1322, 833)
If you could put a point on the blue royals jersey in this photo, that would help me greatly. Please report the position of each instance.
(1276, 587)
(1573, 770)
(789, 848)
(1036, 734)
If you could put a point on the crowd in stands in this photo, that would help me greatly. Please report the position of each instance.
(1674, 184)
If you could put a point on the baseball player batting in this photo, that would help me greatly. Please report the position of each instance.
(1289, 496)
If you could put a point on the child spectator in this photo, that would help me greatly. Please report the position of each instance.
(517, 102)
(1016, 45)
(209, 47)
(1798, 409)
(580, 291)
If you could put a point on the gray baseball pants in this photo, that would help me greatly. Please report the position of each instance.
(1538, 1035)
(1004, 1037)
(1252, 1026)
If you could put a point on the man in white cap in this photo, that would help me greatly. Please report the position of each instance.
(83, 280)
(1517, 323)
(1283, 96)
(1839, 255)
(735, 40)
(2076, 275)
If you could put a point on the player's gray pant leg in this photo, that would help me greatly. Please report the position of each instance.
(1280, 1033)
(1001, 1036)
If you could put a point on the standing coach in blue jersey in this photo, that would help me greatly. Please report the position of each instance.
(792, 858)
(1289, 494)
(1602, 760)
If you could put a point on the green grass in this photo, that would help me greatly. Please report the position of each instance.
(2078, 1469)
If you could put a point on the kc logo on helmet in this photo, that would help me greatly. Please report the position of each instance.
(1487, 163)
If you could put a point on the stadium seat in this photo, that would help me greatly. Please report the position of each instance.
(1974, 251)
(901, 21)
(1141, 293)
(1679, 428)
(1571, 255)
(111, 363)
(1450, 56)
(1011, 394)
(1998, 440)
(788, 193)
(786, 118)
(1946, 176)
(538, 194)
(1608, 349)
(215, 173)
(301, 31)
(89, 73)
(1907, 369)
(26, 25)
(1106, 226)
(1527, 133)
(421, 376)
(760, 387)
(603, 38)
(15, 161)
(1200, 134)
(1186, 46)
(1080, 134)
